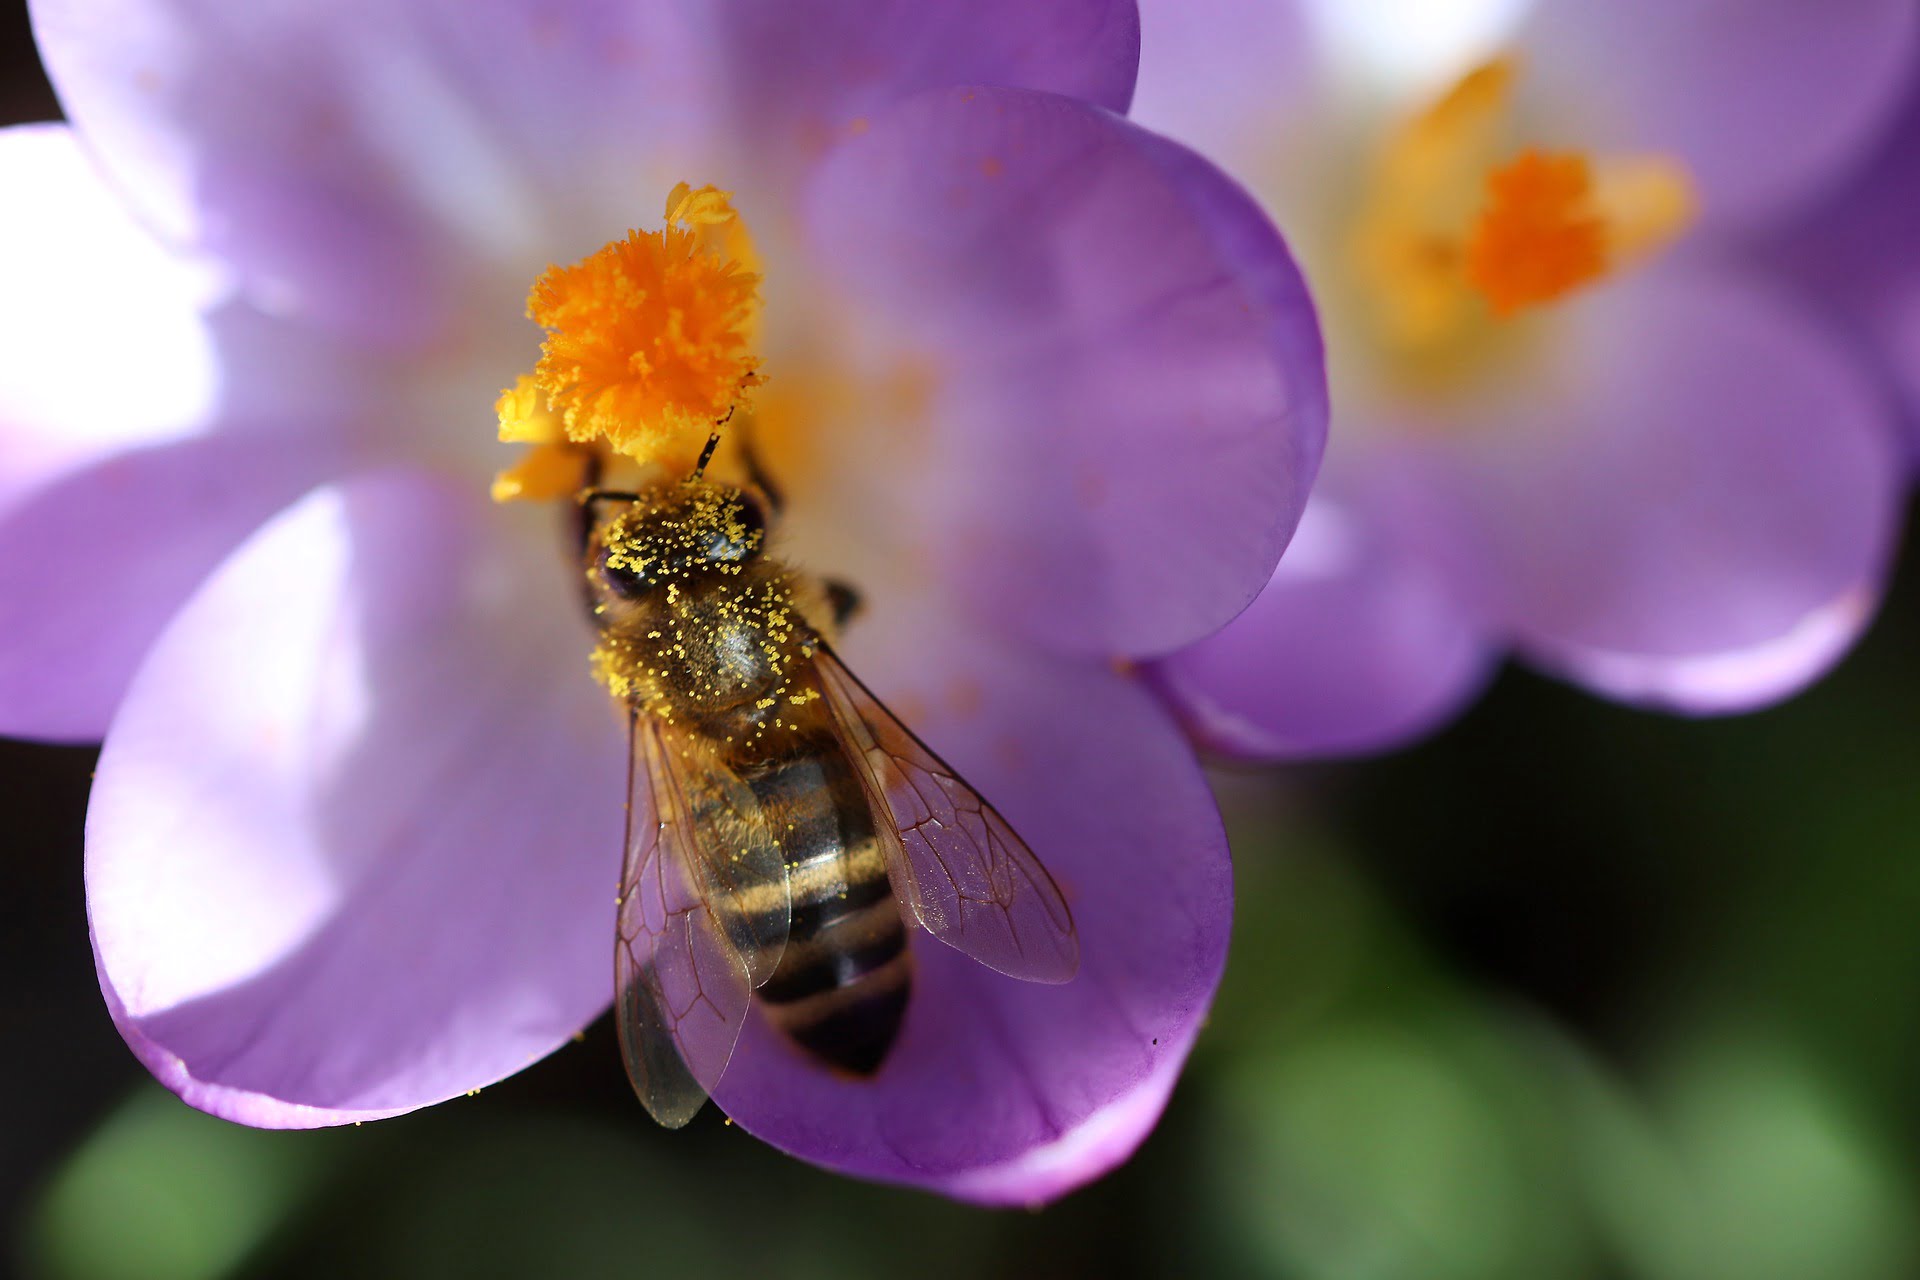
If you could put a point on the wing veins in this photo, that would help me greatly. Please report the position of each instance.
(960, 832)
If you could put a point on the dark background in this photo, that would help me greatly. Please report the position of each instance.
(1569, 990)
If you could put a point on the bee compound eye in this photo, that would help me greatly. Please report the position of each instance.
(622, 580)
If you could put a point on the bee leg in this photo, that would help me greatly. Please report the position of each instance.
(844, 601)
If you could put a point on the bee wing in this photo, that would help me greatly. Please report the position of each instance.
(696, 933)
(971, 882)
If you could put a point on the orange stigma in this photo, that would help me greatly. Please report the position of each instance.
(1540, 236)
(649, 341)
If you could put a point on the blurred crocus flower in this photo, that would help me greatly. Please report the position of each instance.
(1566, 426)
(1044, 387)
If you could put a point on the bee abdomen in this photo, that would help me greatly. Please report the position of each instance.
(840, 989)
(843, 952)
(844, 1004)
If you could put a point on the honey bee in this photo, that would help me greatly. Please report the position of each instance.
(784, 828)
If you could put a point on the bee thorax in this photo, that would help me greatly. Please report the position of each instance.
(722, 653)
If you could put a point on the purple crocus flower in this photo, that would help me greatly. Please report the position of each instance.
(1568, 426)
(1051, 398)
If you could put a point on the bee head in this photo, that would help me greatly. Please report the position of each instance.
(675, 534)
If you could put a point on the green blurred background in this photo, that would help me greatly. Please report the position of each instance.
(1568, 991)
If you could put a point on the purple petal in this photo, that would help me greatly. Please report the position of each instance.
(1703, 521)
(1763, 99)
(353, 840)
(93, 566)
(1128, 401)
(1851, 254)
(120, 485)
(108, 346)
(352, 159)
(804, 73)
(1734, 680)
(1226, 77)
(1357, 644)
(1001, 1091)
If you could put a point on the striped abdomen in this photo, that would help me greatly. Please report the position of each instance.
(840, 989)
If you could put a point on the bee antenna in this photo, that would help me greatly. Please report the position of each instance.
(706, 454)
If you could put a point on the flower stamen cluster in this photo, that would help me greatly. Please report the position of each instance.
(1455, 228)
(649, 343)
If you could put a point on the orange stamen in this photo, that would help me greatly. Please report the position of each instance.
(1540, 235)
(649, 338)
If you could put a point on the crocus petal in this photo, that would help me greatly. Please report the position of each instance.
(1850, 254)
(353, 159)
(348, 157)
(1261, 52)
(108, 346)
(1127, 398)
(122, 478)
(1716, 498)
(805, 73)
(1357, 644)
(92, 567)
(1001, 1091)
(357, 821)
(1763, 99)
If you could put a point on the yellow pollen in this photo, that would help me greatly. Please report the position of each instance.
(1540, 236)
(650, 339)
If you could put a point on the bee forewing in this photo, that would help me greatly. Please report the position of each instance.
(736, 865)
(968, 878)
(682, 984)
